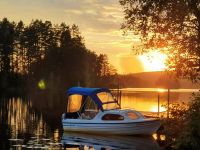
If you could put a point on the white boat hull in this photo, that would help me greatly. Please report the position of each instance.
(145, 127)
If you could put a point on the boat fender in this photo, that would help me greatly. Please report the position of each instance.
(63, 116)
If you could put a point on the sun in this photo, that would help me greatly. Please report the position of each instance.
(153, 61)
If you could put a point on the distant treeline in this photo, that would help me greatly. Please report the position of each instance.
(53, 54)
(159, 79)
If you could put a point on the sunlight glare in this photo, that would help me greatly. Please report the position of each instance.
(160, 90)
(153, 61)
(155, 109)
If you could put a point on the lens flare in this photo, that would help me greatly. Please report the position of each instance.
(42, 85)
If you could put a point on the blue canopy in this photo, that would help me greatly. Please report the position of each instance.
(86, 91)
(92, 92)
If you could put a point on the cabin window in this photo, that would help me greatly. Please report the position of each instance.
(105, 97)
(90, 105)
(132, 115)
(107, 100)
(74, 103)
(110, 106)
(90, 109)
(112, 117)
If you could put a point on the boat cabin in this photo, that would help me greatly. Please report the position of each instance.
(95, 110)
(85, 103)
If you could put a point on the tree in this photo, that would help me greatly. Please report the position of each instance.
(171, 26)
(190, 139)
(18, 64)
(6, 44)
(106, 74)
(55, 54)
(183, 125)
(103, 66)
(37, 38)
(67, 64)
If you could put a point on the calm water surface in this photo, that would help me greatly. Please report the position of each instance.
(35, 122)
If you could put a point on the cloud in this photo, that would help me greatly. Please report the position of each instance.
(93, 14)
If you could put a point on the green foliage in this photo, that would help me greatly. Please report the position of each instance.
(170, 26)
(183, 126)
(190, 138)
(177, 122)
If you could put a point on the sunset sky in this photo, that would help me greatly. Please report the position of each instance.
(99, 22)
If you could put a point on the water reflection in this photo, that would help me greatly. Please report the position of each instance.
(35, 143)
(106, 142)
(147, 101)
(21, 117)
(21, 124)
(35, 122)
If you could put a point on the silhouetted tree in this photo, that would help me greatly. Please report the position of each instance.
(54, 53)
(6, 44)
(106, 73)
(171, 26)
(19, 51)
(104, 67)
(70, 63)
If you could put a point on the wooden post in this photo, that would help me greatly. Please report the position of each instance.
(118, 94)
(120, 98)
(168, 98)
(158, 103)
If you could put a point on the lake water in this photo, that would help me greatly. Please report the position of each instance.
(34, 122)
(146, 99)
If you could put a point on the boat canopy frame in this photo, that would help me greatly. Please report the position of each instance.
(92, 92)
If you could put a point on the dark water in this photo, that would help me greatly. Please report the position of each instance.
(26, 123)
(35, 123)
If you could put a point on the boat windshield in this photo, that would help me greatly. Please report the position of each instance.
(85, 107)
(108, 101)
(74, 103)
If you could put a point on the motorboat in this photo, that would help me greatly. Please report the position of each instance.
(115, 142)
(94, 110)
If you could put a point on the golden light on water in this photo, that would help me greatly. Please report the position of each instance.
(161, 137)
(160, 90)
(155, 109)
(153, 61)
(56, 135)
